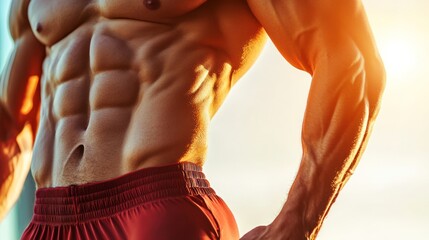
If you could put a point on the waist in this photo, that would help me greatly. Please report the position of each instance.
(116, 141)
(79, 203)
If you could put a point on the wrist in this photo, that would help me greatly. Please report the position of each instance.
(289, 228)
(302, 214)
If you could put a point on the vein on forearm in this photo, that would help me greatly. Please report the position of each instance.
(336, 126)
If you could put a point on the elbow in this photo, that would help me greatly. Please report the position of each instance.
(367, 77)
(375, 84)
(361, 83)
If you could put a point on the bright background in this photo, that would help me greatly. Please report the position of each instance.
(255, 146)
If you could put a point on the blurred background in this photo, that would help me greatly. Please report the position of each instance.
(254, 145)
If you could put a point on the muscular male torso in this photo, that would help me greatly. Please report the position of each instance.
(133, 84)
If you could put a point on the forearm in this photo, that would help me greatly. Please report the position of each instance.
(13, 171)
(343, 104)
(8, 149)
(15, 160)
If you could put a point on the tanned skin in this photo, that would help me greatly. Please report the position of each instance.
(126, 85)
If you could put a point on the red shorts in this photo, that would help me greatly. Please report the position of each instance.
(173, 202)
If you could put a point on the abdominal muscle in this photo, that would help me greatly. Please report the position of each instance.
(120, 95)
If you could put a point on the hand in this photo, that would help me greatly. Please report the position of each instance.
(287, 232)
(258, 233)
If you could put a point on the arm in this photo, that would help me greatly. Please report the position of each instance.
(19, 106)
(331, 40)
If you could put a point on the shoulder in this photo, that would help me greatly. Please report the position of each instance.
(310, 8)
(18, 18)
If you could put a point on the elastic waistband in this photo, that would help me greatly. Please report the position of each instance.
(80, 203)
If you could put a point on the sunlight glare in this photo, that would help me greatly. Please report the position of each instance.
(400, 57)
(27, 105)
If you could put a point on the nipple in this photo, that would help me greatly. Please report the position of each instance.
(152, 4)
(39, 27)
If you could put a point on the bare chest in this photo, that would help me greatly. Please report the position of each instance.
(52, 20)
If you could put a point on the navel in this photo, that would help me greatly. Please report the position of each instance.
(152, 4)
(76, 155)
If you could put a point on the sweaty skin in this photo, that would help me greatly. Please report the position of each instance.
(132, 84)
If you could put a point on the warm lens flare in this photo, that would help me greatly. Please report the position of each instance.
(27, 105)
(399, 54)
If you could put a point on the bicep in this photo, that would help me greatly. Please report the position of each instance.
(19, 83)
(304, 31)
